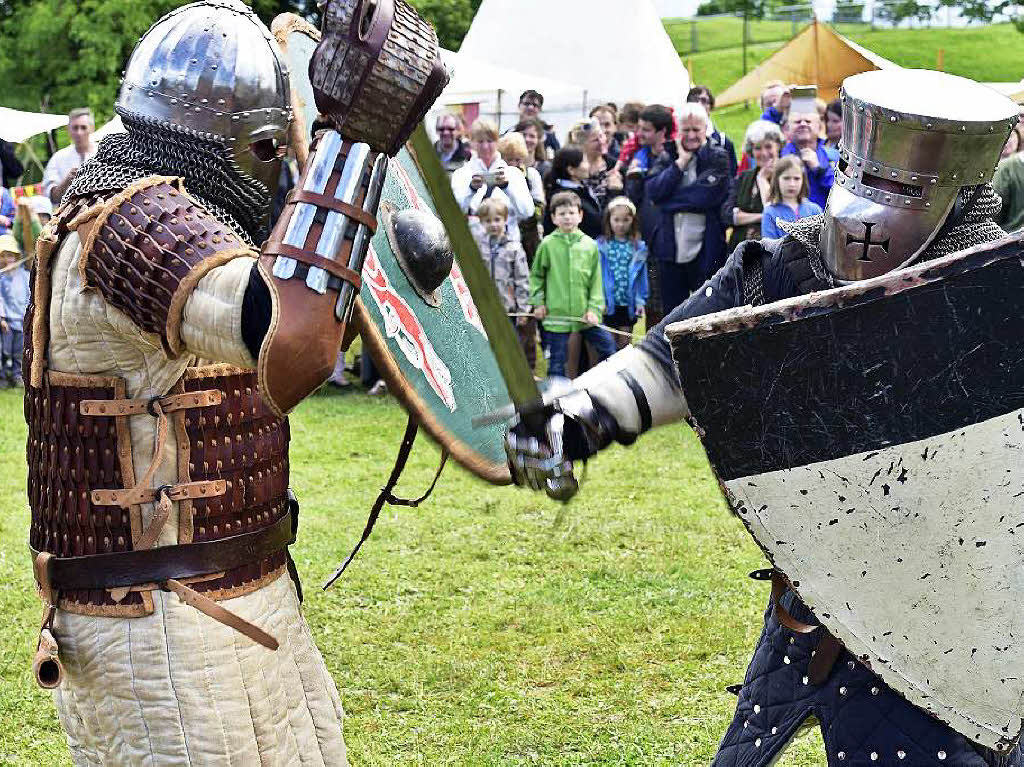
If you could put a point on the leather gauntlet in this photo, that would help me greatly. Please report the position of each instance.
(312, 264)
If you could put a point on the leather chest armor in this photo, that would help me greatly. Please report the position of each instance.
(144, 250)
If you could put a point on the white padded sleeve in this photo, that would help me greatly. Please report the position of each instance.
(212, 325)
(605, 385)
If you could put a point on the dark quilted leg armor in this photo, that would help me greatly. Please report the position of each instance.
(863, 722)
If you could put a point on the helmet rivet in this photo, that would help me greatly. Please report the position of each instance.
(860, 109)
(933, 181)
(193, 61)
(953, 176)
(874, 169)
(981, 175)
(963, 128)
(868, 193)
(892, 119)
(213, 66)
(928, 126)
(907, 202)
(927, 204)
(859, 163)
(991, 128)
(174, 101)
(888, 198)
(913, 178)
(894, 174)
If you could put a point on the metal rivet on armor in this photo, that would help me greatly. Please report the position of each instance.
(927, 204)
(928, 126)
(907, 202)
(963, 128)
(888, 198)
(745, 725)
(874, 756)
(214, 66)
(901, 754)
(851, 665)
(981, 175)
(842, 182)
(174, 101)
(941, 755)
(859, 163)
(894, 174)
(842, 691)
(860, 109)
(953, 176)
(757, 743)
(874, 691)
(805, 680)
(874, 169)
(868, 193)
(933, 181)
(786, 660)
(991, 128)
(792, 641)
(841, 755)
(757, 708)
(892, 119)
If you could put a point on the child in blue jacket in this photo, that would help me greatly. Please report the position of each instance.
(623, 268)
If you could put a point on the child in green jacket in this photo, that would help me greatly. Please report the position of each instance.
(565, 284)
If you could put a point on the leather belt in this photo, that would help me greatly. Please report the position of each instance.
(170, 403)
(124, 569)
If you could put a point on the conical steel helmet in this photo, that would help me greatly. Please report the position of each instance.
(212, 68)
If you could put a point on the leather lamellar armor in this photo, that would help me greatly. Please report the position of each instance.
(144, 250)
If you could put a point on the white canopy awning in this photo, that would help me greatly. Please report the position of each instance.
(17, 126)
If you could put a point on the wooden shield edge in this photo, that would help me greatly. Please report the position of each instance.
(283, 25)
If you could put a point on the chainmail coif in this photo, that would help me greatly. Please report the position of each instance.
(975, 228)
(150, 147)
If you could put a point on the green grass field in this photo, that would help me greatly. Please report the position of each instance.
(490, 626)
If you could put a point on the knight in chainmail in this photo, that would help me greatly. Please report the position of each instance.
(158, 460)
(881, 215)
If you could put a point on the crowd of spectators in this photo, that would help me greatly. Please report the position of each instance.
(651, 201)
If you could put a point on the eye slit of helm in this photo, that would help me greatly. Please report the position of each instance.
(895, 187)
(369, 12)
(265, 150)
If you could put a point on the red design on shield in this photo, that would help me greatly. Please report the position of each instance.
(402, 324)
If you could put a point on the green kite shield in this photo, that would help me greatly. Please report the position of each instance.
(431, 348)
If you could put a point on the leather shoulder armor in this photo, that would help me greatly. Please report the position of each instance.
(147, 248)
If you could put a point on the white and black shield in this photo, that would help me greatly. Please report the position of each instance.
(871, 438)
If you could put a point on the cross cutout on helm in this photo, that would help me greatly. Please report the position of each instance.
(867, 242)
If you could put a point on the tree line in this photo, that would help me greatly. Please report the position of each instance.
(61, 54)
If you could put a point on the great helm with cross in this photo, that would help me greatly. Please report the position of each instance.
(912, 139)
(213, 69)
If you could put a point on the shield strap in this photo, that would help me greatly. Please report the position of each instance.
(828, 649)
(387, 497)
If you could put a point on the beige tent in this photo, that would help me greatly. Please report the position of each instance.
(816, 55)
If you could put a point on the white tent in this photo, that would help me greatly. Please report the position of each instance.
(495, 89)
(617, 51)
(17, 126)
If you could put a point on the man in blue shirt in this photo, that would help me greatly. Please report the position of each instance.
(14, 295)
(805, 132)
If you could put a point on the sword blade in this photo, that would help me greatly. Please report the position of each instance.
(522, 388)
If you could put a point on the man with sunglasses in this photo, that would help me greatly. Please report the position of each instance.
(453, 151)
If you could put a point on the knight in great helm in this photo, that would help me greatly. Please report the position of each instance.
(166, 340)
(918, 151)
